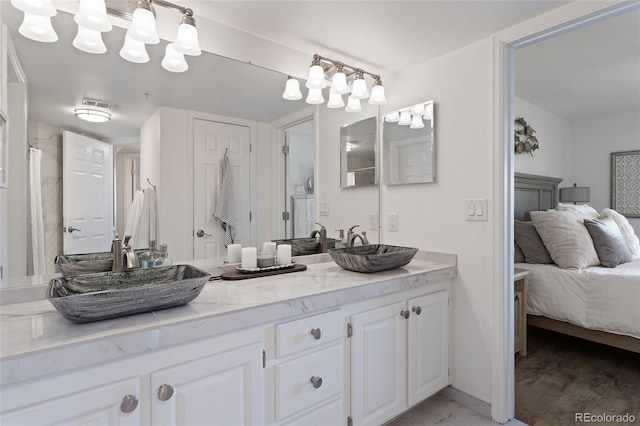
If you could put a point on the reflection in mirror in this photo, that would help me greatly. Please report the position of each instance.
(408, 145)
(358, 153)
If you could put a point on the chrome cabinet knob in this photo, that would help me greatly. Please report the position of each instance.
(316, 381)
(405, 314)
(165, 392)
(200, 233)
(316, 333)
(417, 310)
(129, 403)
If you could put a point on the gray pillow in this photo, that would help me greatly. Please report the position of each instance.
(518, 255)
(530, 243)
(609, 242)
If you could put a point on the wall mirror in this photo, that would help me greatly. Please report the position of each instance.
(408, 145)
(358, 153)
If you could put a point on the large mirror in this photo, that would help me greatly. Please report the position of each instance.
(358, 153)
(59, 76)
(408, 145)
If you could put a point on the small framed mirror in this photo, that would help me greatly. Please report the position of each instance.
(409, 145)
(358, 153)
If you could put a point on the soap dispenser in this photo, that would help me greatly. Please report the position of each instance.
(341, 243)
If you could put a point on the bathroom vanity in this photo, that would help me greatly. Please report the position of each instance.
(323, 346)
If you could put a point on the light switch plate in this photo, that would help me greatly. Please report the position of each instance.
(393, 222)
(373, 221)
(324, 208)
(476, 209)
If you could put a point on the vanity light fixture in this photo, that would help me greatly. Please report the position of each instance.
(92, 115)
(411, 116)
(92, 19)
(343, 79)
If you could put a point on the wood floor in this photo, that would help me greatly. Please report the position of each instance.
(562, 376)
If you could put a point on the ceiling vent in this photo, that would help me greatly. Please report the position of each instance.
(100, 104)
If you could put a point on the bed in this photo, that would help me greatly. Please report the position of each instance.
(594, 303)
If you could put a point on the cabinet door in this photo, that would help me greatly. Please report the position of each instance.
(428, 346)
(378, 364)
(222, 389)
(99, 406)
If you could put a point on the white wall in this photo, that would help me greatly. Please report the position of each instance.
(592, 142)
(432, 216)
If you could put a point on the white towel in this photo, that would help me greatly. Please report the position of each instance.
(133, 220)
(37, 223)
(225, 213)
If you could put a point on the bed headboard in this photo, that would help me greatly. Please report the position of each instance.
(533, 192)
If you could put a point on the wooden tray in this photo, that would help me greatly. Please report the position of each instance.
(237, 275)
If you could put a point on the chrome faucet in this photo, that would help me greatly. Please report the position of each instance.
(124, 257)
(322, 233)
(116, 250)
(351, 237)
(131, 260)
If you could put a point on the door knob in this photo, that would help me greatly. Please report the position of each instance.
(165, 392)
(129, 403)
(200, 233)
(71, 229)
(417, 310)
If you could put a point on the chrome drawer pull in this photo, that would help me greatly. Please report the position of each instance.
(129, 403)
(316, 333)
(405, 314)
(417, 310)
(316, 381)
(165, 392)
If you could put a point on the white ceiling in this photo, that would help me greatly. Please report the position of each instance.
(385, 36)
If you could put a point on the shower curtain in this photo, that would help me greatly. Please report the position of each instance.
(37, 226)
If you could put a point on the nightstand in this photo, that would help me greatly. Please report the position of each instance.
(520, 310)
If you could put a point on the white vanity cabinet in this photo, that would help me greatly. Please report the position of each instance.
(306, 377)
(214, 381)
(399, 355)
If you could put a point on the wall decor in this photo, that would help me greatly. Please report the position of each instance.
(625, 183)
(524, 138)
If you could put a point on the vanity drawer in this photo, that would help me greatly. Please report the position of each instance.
(295, 390)
(307, 333)
(330, 414)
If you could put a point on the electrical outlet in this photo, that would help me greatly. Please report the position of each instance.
(373, 221)
(393, 222)
(324, 208)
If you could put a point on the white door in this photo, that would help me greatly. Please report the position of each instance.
(100, 406)
(211, 141)
(413, 159)
(428, 346)
(378, 364)
(220, 390)
(87, 195)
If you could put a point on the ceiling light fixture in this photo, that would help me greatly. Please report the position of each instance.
(344, 79)
(92, 19)
(92, 115)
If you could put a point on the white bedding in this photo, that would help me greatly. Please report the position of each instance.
(606, 299)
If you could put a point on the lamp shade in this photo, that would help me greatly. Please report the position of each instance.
(315, 97)
(416, 122)
(143, 27)
(335, 101)
(360, 90)
(353, 105)
(292, 90)
(173, 60)
(316, 78)
(187, 40)
(377, 95)
(89, 41)
(392, 117)
(574, 194)
(92, 115)
(35, 7)
(405, 118)
(134, 51)
(339, 84)
(92, 14)
(38, 28)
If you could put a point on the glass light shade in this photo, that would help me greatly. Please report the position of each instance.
(35, 7)
(316, 78)
(187, 40)
(315, 97)
(377, 95)
(416, 122)
(173, 60)
(392, 117)
(292, 90)
(92, 14)
(92, 115)
(353, 105)
(143, 27)
(417, 109)
(360, 90)
(38, 28)
(405, 118)
(428, 111)
(89, 41)
(339, 84)
(335, 101)
(134, 51)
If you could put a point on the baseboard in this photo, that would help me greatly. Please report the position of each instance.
(466, 400)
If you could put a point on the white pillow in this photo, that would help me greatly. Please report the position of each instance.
(628, 233)
(581, 211)
(566, 238)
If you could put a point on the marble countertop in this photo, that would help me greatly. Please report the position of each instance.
(34, 334)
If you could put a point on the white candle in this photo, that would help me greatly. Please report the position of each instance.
(249, 257)
(269, 247)
(284, 254)
(234, 253)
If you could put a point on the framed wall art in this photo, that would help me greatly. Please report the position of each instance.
(625, 183)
